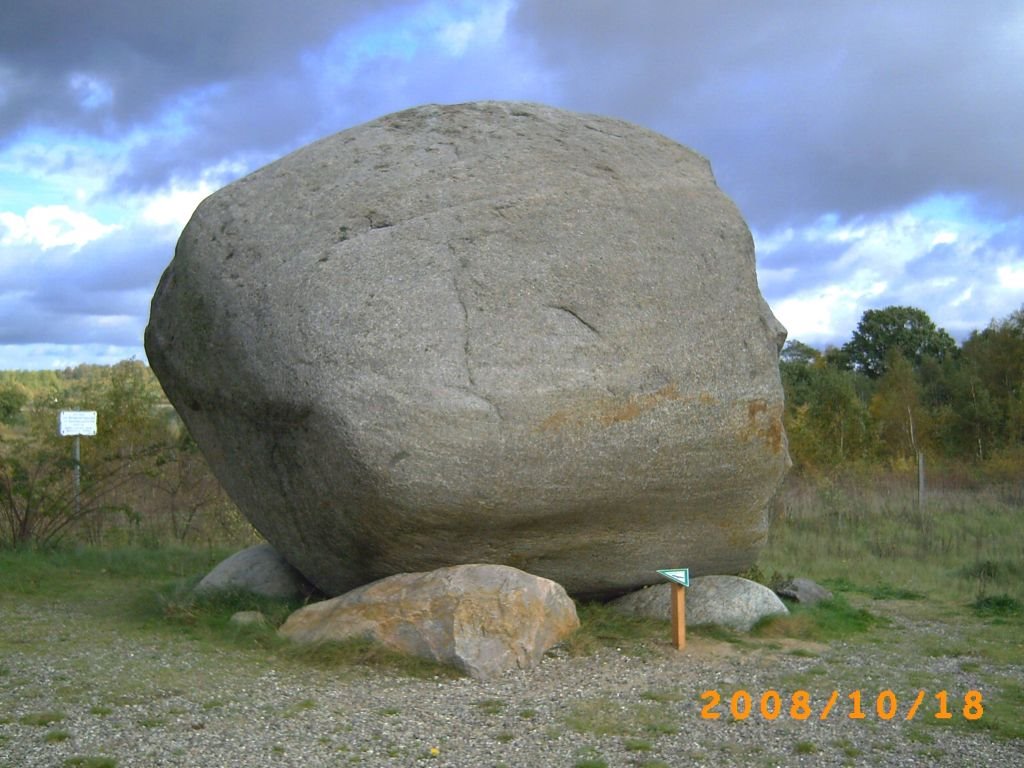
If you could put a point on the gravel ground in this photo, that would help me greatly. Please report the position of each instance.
(166, 701)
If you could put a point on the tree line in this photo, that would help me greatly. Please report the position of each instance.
(901, 387)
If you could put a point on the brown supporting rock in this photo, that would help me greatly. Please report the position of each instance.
(482, 619)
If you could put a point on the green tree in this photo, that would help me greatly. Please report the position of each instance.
(826, 420)
(905, 329)
(13, 397)
(996, 358)
(38, 503)
(902, 423)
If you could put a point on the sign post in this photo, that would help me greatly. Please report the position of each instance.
(76, 424)
(680, 578)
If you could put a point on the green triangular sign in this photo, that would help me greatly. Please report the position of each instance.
(678, 575)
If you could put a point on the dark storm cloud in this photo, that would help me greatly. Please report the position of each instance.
(97, 294)
(104, 65)
(797, 264)
(807, 107)
(254, 120)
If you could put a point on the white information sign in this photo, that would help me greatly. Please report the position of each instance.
(77, 423)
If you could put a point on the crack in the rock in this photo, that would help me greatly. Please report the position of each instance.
(467, 351)
(576, 316)
(465, 321)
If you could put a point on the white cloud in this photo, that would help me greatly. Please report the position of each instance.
(91, 92)
(941, 254)
(944, 238)
(52, 226)
(822, 314)
(963, 298)
(1011, 277)
(487, 27)
(174, 207)
(34, 357)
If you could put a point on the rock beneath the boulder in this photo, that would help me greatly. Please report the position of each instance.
(489, 332)
(248, 618)
(802, 591)
(729, 601)
(259, 570)
(483, 619)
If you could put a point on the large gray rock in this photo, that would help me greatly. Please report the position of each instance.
(483, 619)
(802, 591)
(258, 569)
(491, 332)
(729, 601)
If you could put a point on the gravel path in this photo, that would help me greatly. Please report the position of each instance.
(166, 701)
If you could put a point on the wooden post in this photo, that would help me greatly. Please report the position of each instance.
(678, 616)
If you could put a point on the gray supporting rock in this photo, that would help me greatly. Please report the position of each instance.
(489, 332)
(729, 601)
(483, 619)
(260, 570)
(248, 619)
(802, 591)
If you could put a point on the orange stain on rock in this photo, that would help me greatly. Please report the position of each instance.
(764, 422)
(610, 411)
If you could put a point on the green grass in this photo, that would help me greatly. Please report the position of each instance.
(55, 737)
(805, 747)
(1002, 709)
(601, 626)
(632, 744)
(40, 719)
(85, 571)
(868, 535)
(998, 606)
(363, 654)
(604, 717)
(663, 697)
(90, 762)
(491, 706)
(848, 748)
(828, 620)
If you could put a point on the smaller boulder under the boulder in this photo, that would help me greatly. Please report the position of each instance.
(482, 619)
(803, 591)
(730, 601)
(260, 570)
(248, 619)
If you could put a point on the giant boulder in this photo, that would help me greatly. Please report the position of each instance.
(490, 332)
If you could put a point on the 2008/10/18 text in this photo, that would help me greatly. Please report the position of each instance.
(771, 705)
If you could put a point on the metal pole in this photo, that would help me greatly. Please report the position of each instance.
(78, 474)
(920, 480)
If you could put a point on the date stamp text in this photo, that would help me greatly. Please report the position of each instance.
(855, 705)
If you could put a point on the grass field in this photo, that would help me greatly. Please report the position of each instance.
(961, 546)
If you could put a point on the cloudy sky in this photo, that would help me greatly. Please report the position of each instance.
(875, 147)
